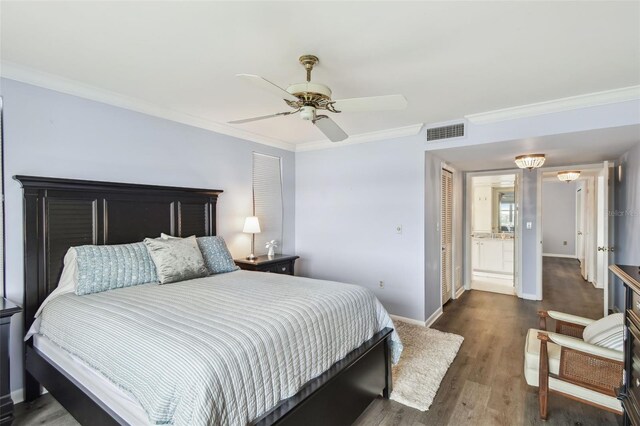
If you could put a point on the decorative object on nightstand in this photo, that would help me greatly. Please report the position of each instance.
(252, 226)
(278, 264)
(7, 310)
(271, 245)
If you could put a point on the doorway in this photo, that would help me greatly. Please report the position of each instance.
(493, 224)
(576, 224)
(446, 238)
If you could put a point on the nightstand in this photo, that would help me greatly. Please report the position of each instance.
(278, 264)
(7, 310)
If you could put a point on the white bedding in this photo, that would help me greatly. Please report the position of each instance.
(218, 350)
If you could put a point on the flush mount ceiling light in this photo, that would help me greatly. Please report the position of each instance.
(569, 175)
(530, 161)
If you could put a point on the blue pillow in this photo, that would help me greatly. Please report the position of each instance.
(102, 268)
(216, 255)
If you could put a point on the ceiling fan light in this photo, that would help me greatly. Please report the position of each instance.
(530, 161)
(569, 175)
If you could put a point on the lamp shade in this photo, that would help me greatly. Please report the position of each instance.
(251, 225)
(530, 161)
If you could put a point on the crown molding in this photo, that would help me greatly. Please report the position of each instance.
(397, 132)
(72, 87)
(557, 105)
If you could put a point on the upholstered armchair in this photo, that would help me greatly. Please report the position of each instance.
(562, 362)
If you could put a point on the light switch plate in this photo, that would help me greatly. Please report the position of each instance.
(529, 225)
(399, 229)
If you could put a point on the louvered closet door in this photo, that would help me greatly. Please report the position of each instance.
(447, 235)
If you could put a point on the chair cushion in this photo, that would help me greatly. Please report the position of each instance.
(607, 332)
(532, 364)
(532, 357)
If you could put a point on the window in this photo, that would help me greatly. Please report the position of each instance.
(267, 200)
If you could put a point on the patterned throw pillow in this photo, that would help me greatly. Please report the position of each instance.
(607, 332)
(216, 255)
(102, 268)
(176, 259)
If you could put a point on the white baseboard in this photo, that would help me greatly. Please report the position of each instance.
(17, 396)
(459, 292)
(407, 320)
(567, 256)
(434, 317)
(529, 296)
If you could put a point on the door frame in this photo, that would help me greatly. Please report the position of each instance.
(592, 184)
(468, 201)
(455, 229)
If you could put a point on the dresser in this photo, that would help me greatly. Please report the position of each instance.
(7, 310)
(629, 393)
(278, 264)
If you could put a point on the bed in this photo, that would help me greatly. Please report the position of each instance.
(60, 213)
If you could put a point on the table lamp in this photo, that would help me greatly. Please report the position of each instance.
(251, 226)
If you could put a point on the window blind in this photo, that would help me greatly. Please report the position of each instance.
(267, 200)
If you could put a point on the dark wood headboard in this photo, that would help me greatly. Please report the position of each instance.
(61, 213)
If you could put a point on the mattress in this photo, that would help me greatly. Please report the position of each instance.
(218, 350)
(120, 403)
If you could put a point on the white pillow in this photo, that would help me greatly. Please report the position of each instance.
(607, 332)
(68, 279)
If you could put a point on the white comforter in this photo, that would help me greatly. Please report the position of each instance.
(218, 350)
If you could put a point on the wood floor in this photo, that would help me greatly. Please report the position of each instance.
(485, 384)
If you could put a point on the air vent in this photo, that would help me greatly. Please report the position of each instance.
(445, 132)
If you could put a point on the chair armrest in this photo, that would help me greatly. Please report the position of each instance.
(582, 346)
(573, 319)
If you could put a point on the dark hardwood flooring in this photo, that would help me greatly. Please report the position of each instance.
(485, 384)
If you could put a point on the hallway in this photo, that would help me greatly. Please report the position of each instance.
(485, 385)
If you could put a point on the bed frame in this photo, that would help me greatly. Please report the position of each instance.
(60, 213)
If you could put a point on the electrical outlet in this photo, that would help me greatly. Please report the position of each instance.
(381, 284)
(529, 225)
(399, 229)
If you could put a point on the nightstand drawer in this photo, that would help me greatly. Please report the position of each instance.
(278, 264)
(282, 268)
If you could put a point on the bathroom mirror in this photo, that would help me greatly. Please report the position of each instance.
(504, 210)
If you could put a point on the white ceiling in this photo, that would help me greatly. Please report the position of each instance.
(561, 150)
(449, 59)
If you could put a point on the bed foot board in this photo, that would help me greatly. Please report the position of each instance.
(78, 401)
(388, 379)
(342, 393)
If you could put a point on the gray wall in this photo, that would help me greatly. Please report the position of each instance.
(52, 134)
(559, 218)
(349, 201)
(627, 216)
(529, 236)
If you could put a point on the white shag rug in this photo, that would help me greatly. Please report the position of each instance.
(426, 357)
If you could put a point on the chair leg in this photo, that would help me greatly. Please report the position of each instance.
(543, 379)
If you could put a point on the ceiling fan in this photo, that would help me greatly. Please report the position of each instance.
(309, 98)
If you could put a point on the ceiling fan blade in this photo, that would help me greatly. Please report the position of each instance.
(262, 117)
(372, 103)
(265, 84)
(330, 128)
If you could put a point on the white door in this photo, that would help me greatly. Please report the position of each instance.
(606, 245)
(580, 204)
(446, 219)
(516, 235)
